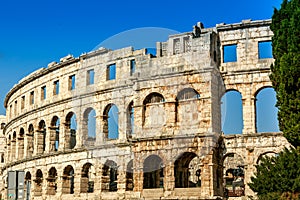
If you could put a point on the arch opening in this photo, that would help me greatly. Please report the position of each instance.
(52, 181)
(232, 112)
(153, 170)
(71, 127)
(110, 176)
(111, 122)
(234, 175)
(68, 180)
(266, 111)
(187, 171)
(87, 178)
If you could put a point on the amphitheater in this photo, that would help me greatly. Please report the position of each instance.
(126, 124)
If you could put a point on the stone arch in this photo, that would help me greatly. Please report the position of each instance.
(232, 122)
(153, 110)
(89, 123)
(187, 171)
(266, 154)
(41, 142)
(68, 180)
(186, 108)
(27, 185)
(265, 110)
(111, 121)
(87, 178)
(110, 176)
(21, 143)
(234, 174)
(38, 183)
(52, 181)
(130, 119)
(70, 130)
(129, 176)
(153, 169)
(54, 133)
(30, 141)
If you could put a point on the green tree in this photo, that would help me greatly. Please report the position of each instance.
(285, 74)
(279, 177)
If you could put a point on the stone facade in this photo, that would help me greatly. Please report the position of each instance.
(168, 143)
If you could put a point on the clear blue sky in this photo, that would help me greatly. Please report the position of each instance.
(34, 33)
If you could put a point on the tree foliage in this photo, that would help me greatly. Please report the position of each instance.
(279, 177)
(285, 74)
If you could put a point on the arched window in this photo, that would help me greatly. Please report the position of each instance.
(68, 180)
(266, 111)
(42, 137)
(187, 93)
(55, 130)
(51, 181)
(110, 176)
(129, 176)
(87, 178)
(232, 112)
(21, 144)
(269, 154)
(153, 172)
(111, 122)
(28, 185)
(153, 110)
(71, 127)
(187, 109)
(187, 171)
(130, 119)
(234, 175)
(90, 123)
(30, 141)
(38, 183)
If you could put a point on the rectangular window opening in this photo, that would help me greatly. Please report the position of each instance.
(229, 53)
(132, 67)
(56, 88)
(72, 82)
(32, 97)
(43, 93)
(265, 50)
(111, 72)
(90, 77)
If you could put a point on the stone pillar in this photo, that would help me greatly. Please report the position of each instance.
(8, 155)
(169, 178)
(50, 139)
(13, 150)
(122, 124)
(77, 178)
(79, 133)
(248, 113)
(121, 183)
(59, 185)
(20, 148)
(138, 176)
(64, 137)
(29, 145)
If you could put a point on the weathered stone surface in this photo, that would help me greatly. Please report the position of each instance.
(174, 149)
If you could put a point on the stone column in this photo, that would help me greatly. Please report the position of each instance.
(50, 139)
(77, 177)
(64, 137)
(138, 176)
(20, 148)
(248, 112)
(13, 150)
(169, 178)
